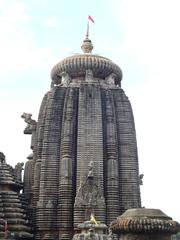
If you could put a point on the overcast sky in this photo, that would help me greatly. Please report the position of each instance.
(142, 37)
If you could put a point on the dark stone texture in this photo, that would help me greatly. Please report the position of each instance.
(14, 221)
(84, 149)
(77, 125)
(144, 224)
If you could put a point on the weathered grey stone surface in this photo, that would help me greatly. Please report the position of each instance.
(91, 231)
(84, 118)
(144, 224)
(14, 222)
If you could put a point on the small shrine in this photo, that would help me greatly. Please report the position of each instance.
(144, 224)
(91, 230)
(14, 223)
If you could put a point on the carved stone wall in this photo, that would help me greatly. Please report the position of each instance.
(76, 126)
(84, 149)
(89, 144)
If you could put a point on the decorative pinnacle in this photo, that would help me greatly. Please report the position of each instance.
(87, 46)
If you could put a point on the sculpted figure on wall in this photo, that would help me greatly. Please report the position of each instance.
(31, 124)
(2, 158)
(91, 169)
(89, 75)
(18, 171)
(141, 179)
(110, 80)
(66, 79)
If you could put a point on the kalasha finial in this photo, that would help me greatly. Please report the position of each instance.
(87, 46)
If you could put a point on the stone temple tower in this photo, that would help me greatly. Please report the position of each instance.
(84, 148)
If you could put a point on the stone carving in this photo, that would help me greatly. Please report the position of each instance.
(110, 235)
(91, 169)
(91, 235)
(31, 127)
(141, 179)
(65, 79)
(88, 193)
(89, 75)
(18, 171)
(2, 158)
(88, 230)
(31, 124)
(110, 80)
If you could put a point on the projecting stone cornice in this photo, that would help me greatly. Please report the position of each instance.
(77, 65)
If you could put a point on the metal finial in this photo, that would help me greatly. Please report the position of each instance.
(87, 46)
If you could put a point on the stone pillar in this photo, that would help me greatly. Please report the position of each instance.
(144, 224)
(111, 161)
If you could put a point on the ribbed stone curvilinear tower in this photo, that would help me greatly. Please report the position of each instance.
(84, 148)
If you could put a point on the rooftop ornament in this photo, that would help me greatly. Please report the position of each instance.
(87, 46)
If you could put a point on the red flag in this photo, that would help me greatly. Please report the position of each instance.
(91, 19)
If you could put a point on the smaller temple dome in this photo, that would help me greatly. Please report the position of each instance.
(144, 220)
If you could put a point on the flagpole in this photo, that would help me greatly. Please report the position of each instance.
(92, 20)
(87, 32)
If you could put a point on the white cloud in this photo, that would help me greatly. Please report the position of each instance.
(17, 44)
(50, 22)
(15, 12)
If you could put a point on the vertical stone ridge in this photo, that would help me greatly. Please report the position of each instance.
(128, 158)
(46, 211)
(67, 164)
(41, 123)
(36, 168)
(89, 148)
(28, 179)
(111, 159)
(33, 166)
